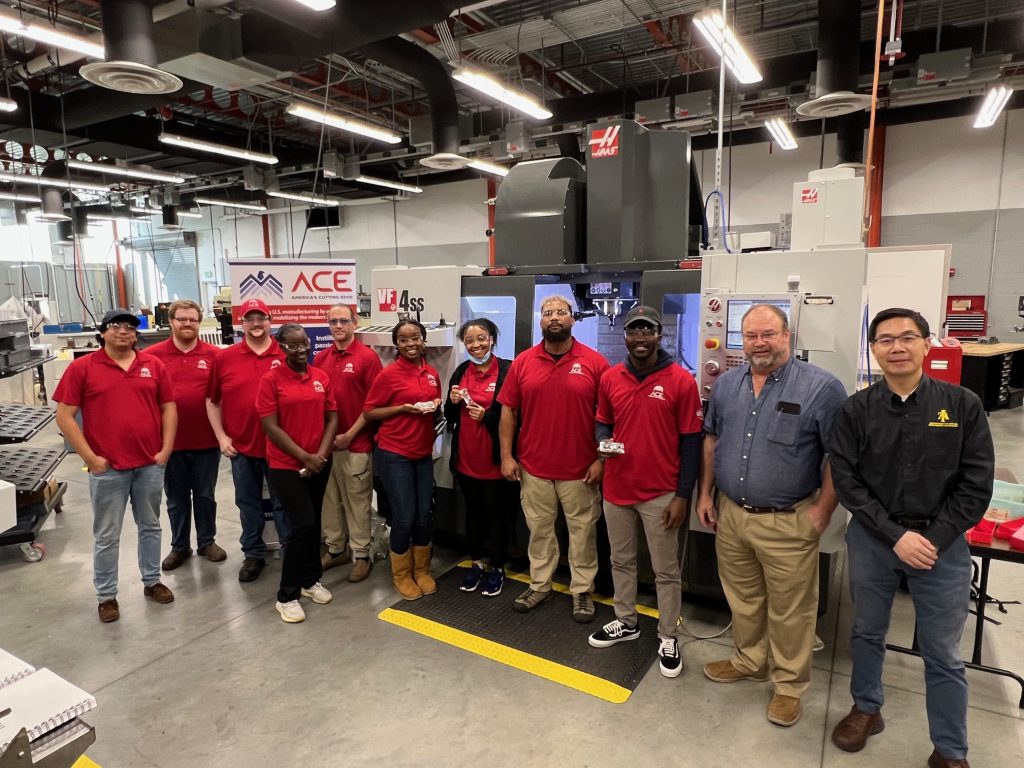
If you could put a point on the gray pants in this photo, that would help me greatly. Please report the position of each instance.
(664, 548)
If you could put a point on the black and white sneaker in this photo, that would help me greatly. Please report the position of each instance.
(669, 660)
(612, 633)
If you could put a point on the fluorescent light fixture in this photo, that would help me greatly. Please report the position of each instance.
(139, 209)
(15, 197)
(489, 86)
(43, 33)
(217, 149)
(388, 183)
(127, 171)
(46, 181)
(108, 216)
(231, 204)
(343, 123)
(486, 167)
(780, 132)
(311, 199)
(721, 38)
(318, 5)
(187, 214)
(8, 105)
(992, 106)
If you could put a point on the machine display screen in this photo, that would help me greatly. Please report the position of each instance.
(736, 309)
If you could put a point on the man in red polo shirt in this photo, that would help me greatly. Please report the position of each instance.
(352, 367)
(190, 482)
(650, 408)
(551, 391)
(126, 401)
(231, 406)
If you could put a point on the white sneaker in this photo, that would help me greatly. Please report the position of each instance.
(318, 593)
(291, 611)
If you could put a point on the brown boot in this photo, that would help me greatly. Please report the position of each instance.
(401, 573)
(421, 569)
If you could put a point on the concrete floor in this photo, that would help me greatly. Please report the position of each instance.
(216, 676)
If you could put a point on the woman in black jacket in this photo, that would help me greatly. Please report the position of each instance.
(473, 412)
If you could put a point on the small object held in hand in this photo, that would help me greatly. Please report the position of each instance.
(303, 472)
(426, 406)
(610, 446)
(466, 398)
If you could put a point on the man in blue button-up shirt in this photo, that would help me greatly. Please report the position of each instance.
(765, 433)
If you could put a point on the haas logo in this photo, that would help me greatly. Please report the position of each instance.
(808, 196)
(658, 393)
(144, 373)
(318, 387)
(349, 368)
(491, 387)
(275, 364)
(202, 365)
(576, 369)
(604, 142)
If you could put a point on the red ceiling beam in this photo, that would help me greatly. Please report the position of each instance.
(664, 39)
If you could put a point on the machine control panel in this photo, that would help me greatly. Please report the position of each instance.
(721, 336)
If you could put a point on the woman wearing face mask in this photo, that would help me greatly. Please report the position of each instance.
(473, 412)
(403, 398)
(300, 417)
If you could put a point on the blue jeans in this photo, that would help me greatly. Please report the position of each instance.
(190, 484)
(941, 599)
(110, 493)
(410, 490)
(248, 473)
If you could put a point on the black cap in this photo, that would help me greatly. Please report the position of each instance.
(640, 313)
(118, 315)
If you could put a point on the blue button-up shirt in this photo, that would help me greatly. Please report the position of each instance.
(770, 448)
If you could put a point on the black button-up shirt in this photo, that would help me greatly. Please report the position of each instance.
(926, 463)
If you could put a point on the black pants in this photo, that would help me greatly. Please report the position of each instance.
(491, 506)
(302, 499)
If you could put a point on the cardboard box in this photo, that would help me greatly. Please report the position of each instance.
(8, 506)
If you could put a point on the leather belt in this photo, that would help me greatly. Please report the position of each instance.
(766, 510)
(913, 523)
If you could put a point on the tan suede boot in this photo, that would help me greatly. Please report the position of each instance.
(421, 569)
(401, 573)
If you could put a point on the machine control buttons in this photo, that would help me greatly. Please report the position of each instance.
(712, 344)
(711, 368)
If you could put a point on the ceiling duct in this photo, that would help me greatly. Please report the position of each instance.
(838, 60)
(131, 65)
(410, 59)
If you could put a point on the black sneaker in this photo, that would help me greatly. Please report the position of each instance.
(251, 568)
(612, 633)
(472, 578)
(669, 660)
(493, 583)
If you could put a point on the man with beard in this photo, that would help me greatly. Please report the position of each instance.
(649, 406)
(765, 435)
(190, 481)
(231, 406)
(550, 392)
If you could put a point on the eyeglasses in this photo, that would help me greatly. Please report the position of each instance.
(339, 321)
(766, 336)
(299, 346)
(641, 333)
(122, 326)
(186, 320)
(409, 339)
(905, 339)
(255, 319)
(555, 313)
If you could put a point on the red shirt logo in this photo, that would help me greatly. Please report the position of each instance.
(576, 369)
(275, 363)
(604, 142)
(144, 373)
(349, 368)
(431, 381)
(318, 387)
(658, 393)
(202, 365)
(490, 387)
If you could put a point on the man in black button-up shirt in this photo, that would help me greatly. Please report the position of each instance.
(912, 460)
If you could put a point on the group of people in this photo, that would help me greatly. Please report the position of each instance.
(779, 447)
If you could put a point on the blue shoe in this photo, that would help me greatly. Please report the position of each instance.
(472, 579)
(494, 582)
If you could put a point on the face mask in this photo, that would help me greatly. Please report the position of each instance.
(484, 360)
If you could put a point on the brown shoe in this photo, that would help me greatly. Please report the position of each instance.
(401, 575)
(852, 732)
(783, 710)
(159, 593)
(213, 552)
(724, 672)
(109, 611)
(332, 560)
(935, 760)
(421, 569)
(360, 570)
(175, 558)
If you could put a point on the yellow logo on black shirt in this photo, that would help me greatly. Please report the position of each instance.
(942, 420)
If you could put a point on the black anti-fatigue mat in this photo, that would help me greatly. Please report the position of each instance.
(545, 642)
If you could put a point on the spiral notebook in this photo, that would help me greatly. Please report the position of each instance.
(12, 668)
(39, 702)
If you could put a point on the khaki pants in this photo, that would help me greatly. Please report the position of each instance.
(580, 503)
(347, 503)
(769, 569)
(664, 548)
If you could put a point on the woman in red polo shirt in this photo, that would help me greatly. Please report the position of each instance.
(473, 412)
(299, 415)
(403, 398)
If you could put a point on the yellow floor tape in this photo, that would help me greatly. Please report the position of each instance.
(84, 762)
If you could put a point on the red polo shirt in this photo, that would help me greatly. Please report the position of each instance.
(476, 447)
(407, 434)
(556, 403)
(120, 409)
(190, 373)
(237, 371)
(648, 418)
(352, 371)
(299, 400)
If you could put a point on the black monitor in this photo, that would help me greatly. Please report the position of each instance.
(323, 217)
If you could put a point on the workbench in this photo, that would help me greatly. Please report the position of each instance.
(995, 373)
